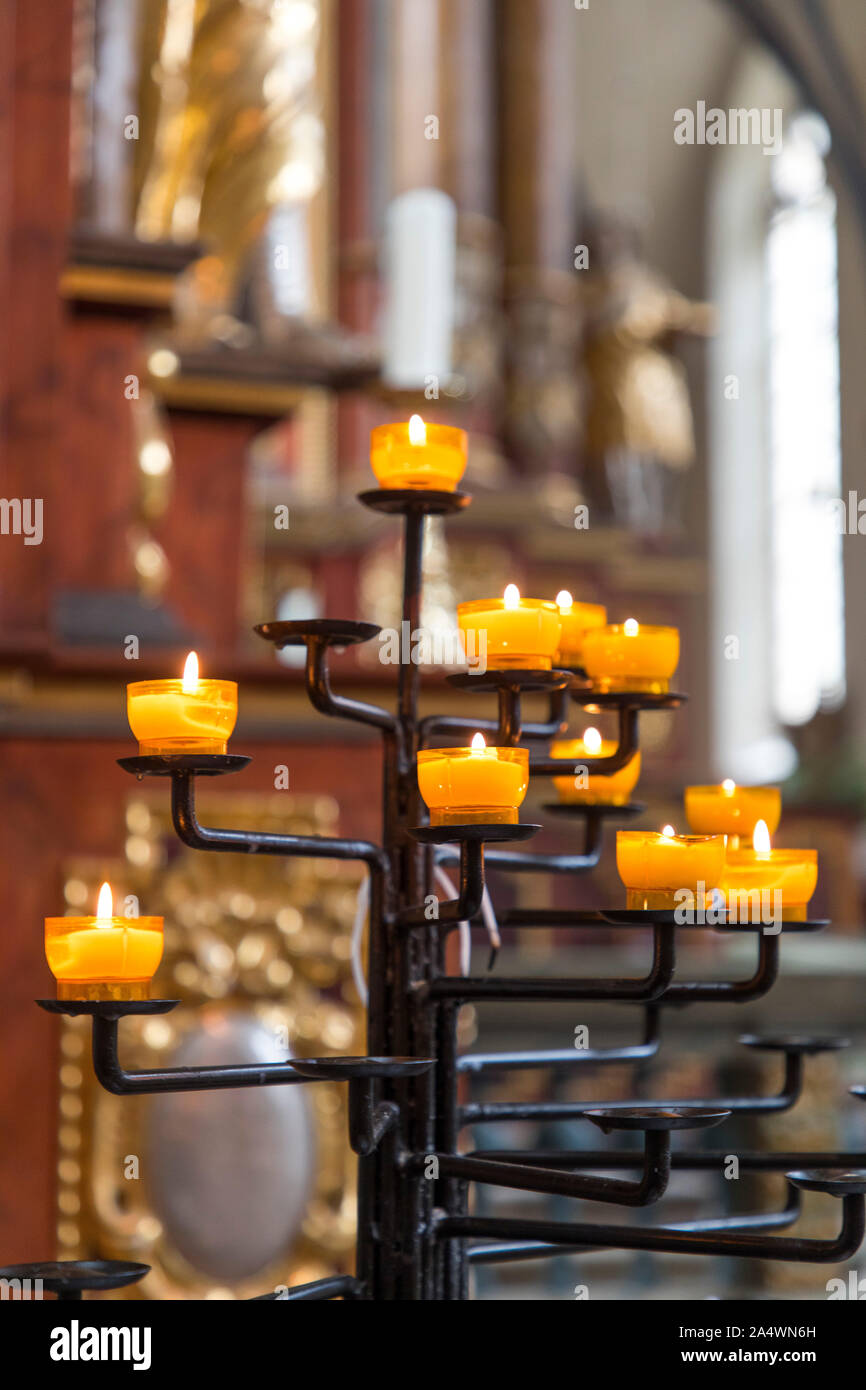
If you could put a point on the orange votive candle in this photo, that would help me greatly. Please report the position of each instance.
(732, 810)
(761, 883)
(510, 632)
(576, 620)
(103, 957)
(631, 656)
(476, 785)
(585, 788)
(189, 715)
(664, 870)
(418, 455)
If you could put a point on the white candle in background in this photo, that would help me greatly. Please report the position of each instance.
(420, 258)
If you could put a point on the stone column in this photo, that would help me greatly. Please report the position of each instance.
(415, 88)
(468, 162)
(538, 167)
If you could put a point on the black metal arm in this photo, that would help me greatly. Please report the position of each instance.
(495, 1252)
(318, 636)
(474, 1063)
(645, 989)
(759, 983)
(656, 1127)
(368, 1122)
(627, 745)
(197, 836)
(468, 903)
(670, 1239)
(490, 1112)
(458, 724)
(325, 701)
(588, 858)
(120, 1082)
(528, 1178)
(334, 1286)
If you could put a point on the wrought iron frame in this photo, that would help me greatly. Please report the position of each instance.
(417, 1238)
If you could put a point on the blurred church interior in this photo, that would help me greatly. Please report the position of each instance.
(211, 211)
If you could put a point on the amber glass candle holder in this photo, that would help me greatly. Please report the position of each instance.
(577, 620)
(752, 877)
(610, 789)
(473, 786)
(436, 462)
(661, 871)
(524, 636)
(166, 718)
(631, 656)
(103, 957)
(732, 810)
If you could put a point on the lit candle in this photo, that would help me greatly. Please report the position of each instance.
(475, 785)
(764, 884)
(418, 455)
(659, 869)
(510, 632)
(631, 656)
(576, 619)
(103, 957)
(189, 715)
(586, 788)
(732, 810)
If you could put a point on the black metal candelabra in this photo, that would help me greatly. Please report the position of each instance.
(418, 1236)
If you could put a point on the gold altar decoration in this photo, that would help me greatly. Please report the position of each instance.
(134, 1175)
(231, 121)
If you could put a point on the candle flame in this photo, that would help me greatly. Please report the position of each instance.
(592, 740)
(417, 430)
(478, 743)
(668, 832)
(189, 684)
(564, 601)
(729, 786)
(761, 838)
(104, 906)
(631, 627)
(511, 597)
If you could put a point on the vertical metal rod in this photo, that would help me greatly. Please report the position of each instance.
(410, 952)
(413, 552)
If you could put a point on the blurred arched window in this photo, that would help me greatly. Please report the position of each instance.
(777, 599)
(804, 445)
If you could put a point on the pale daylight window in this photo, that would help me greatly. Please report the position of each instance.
(808, 656)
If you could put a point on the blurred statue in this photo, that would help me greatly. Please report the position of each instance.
(544, 399)
(232, 154)
(230, 123)
(639, 436)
